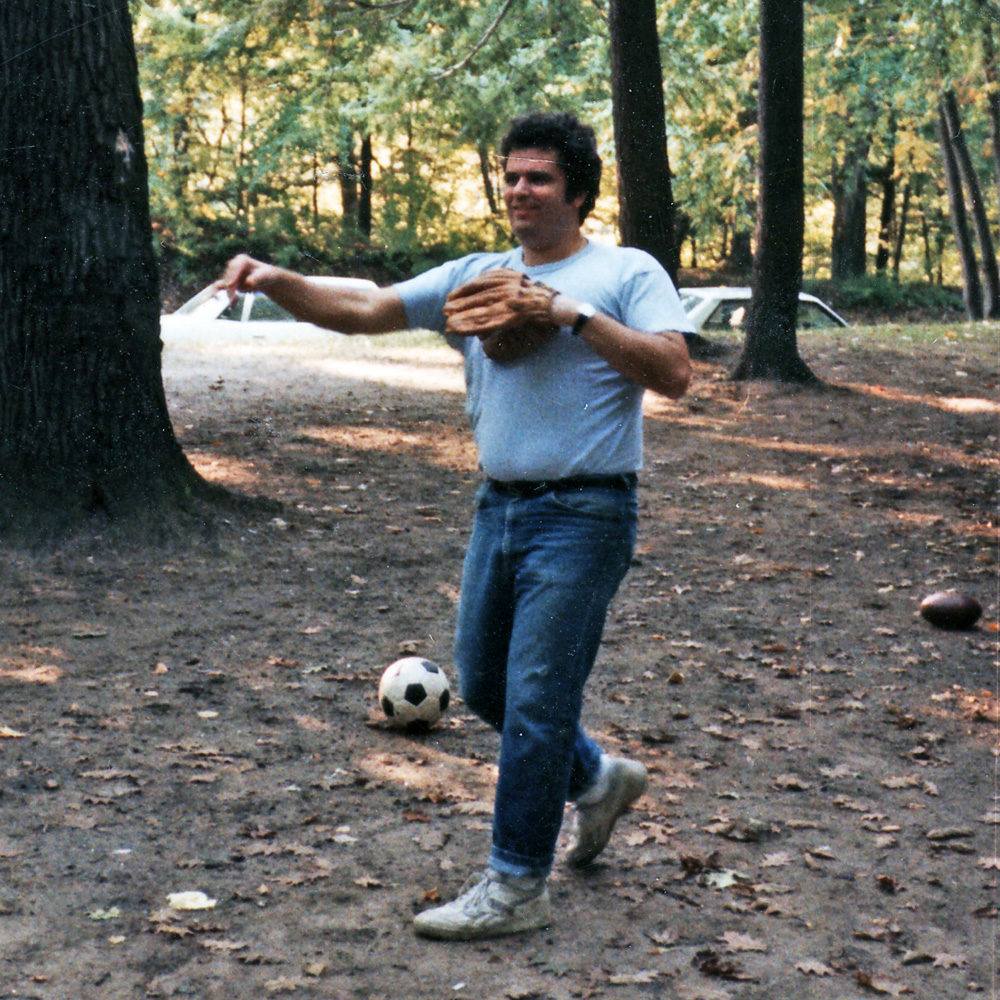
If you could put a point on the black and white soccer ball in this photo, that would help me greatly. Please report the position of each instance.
(413, 693)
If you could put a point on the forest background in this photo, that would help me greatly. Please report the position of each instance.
(358, 137)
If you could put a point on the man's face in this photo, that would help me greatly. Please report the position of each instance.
(534, 191)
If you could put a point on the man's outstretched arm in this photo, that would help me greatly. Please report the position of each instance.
(351, 309)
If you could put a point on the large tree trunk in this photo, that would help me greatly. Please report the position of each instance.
(645, 200)
(980, 223)
(770, 349)
(972, 288)
(83, 419)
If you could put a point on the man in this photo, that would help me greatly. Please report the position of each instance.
(555, 406)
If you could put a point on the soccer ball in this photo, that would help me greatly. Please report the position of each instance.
(413, 693)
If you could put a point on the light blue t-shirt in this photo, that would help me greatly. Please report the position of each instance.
(560, 410)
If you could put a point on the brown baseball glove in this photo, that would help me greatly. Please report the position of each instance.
(506, 310)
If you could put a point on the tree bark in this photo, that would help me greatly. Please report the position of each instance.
(770, 349)
(347, 176)
(972, 288)
(645, 199)
(365, 187)
(848, 256)
(904, 212)
(980, 223)
(84, 427)
(486, 172)
(886, 176)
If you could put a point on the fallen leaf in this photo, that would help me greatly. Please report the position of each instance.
(990, 864)
(6, 733)
(633, 978)
(813, 967)
(710, 963)
(791, 782)
(946, 961)
(223, 946)
(734, 941)
(189, 901)
(879, 984)
(112, 913)
(777, 860)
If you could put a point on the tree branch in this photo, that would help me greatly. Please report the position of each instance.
(452, 70)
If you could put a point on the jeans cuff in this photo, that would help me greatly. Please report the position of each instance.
(516, 866)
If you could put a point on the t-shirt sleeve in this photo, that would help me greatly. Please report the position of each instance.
(424, 296)
(650, 301)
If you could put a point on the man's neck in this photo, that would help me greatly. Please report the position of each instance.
(549, 254)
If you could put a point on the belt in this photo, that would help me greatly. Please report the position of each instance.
(526, 488)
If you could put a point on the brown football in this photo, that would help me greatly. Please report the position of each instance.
(951, 609)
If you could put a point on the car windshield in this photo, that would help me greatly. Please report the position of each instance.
(261, 308)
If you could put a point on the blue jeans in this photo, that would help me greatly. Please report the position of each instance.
(539, 575)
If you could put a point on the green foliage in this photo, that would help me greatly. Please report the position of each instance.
(876, 296)
(255, 115)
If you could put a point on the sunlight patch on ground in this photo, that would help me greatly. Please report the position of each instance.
(439, 776)
(936, 453)
(222, 469)
(37, 674)
(446, 448)
(400, 374)
(953, 404)
(771, 480)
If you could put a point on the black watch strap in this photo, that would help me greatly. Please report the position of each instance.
(585, 314)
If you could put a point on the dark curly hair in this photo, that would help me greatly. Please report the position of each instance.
(574, 145)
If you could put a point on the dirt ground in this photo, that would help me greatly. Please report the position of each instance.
(822, 818)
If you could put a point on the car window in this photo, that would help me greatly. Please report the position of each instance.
(688, 302)
(812, 316)
(264, 309)
(234, 310)
(727, 315)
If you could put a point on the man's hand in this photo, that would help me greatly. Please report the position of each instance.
(244, 274)
(508, 311)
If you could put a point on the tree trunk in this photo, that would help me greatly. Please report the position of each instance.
(980, 224)
(770, 349)
(848, 256)
(972, 289)
(887, 216)
(365, 187)
(886, 176)
(645, 200)
(485, 171)
(904, 212)
(84, 427)
(347, 176)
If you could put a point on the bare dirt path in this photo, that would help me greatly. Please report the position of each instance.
(822, 818)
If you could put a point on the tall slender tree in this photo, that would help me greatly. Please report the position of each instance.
(771, 349)
(84, 427)
(645, 197)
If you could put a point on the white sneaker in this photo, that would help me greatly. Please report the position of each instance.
(496, 905)
(622, 781)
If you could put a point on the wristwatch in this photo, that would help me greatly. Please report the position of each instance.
(584, 313)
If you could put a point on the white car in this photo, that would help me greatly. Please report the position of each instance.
(210, 314)
(723, 308)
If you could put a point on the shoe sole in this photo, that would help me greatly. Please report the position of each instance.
(538, 916)
(633, 784)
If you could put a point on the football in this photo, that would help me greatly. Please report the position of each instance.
(413, 693)
(951, 609)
